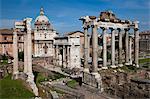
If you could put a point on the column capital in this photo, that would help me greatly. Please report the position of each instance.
(63, 46)
(104, 28)
(112, 29)
(85, 26)
(127, 29)
(93, 25)
(120, 29)
(136, 24)
(136, 29)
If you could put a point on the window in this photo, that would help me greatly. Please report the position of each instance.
(19, 38)
(5, 38)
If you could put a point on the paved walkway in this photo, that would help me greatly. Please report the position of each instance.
(91, 93)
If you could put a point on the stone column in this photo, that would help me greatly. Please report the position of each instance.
(86, 47)
(130, 50)
(127, 46)
(57, 57)
(29, 45)
(54, 58)
(136, 56)
(64, 56)
(113, 48)
(94, 48)
(15, 54)
(25, 54)
(29, 73)
(120, 47)
(68, 56)
(104, 30)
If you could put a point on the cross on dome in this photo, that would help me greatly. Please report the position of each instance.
(41, 11)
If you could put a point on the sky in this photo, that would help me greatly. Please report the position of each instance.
(64, 14)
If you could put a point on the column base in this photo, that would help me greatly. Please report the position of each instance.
(93, 80)
(99, 80)
(15, 75)
(30, 77)
(130, 62)
(136, 65)
(32, 84)
(86, 70)
(105, 67)
(113, 66)
(127, 63)
(120, 65)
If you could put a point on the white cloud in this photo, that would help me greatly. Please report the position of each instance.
(145, 23)
(135, 4)
(7, 23)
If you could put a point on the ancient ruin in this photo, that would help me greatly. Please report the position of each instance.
(25, 27)
(107, 20)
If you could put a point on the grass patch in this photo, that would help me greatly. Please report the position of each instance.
(144, 60)
(55, 76)
(4, 62)
(39, 77)
(13, 89)
(72, 83)
(129, 68)
(57, 90)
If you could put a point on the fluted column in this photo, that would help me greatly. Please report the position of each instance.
(130, 50)
(113, 48)
(64, 56)
(120, 47)
(68, 56)
(104, 30)
(85, 47)
(127, 46)
(54, 58)
(29, 44)
(94, 48)
(57, 56)
(136, 56)
(15, 54)
(25, 54)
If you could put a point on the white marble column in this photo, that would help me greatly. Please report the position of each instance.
(29, 45)
(64, 56)
(130, 50)
(120, 32)
(136, 56)
(54, 58)
(15, 55)
(113, 48)
(68, 56)
(94, 48)
(29, 73)
(25, 54)
(104, 30)
(57, 57)
(86, 47)
(126, 46)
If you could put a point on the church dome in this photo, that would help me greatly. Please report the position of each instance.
(41, 18)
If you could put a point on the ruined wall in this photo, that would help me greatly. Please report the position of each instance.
(124, 85)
